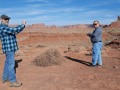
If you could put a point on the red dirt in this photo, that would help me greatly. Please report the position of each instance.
(115, 24)
(74, 73)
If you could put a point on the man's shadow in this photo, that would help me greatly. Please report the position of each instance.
(16, 64)
(79, 61)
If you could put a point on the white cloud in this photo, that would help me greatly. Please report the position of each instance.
(17, 12)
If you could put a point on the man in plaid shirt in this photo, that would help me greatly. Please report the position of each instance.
(9, 47)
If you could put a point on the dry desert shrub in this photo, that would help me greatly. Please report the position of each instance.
(48, 58)
(40, 46)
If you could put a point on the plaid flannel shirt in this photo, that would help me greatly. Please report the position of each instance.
(8, 37)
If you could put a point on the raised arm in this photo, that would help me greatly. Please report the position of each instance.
(12, 30)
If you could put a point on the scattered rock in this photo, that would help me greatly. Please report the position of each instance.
(69, 49)
(65, 51)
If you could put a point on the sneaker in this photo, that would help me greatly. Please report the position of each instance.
(15, 84)
(93, 65)
(99, 65)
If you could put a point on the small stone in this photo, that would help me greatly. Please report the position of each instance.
(118, 49)
(65, 51)
(115, 67)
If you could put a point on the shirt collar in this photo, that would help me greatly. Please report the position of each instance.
(97, 27)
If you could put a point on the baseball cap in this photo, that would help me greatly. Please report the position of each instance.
(5, 17)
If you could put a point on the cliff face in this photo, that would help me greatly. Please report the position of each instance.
(115, 43)
(115, 24)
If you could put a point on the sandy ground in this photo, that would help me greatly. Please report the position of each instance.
(74, 73)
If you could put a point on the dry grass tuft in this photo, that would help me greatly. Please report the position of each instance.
(48, 58)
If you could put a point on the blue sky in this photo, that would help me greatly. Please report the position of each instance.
(61, 12)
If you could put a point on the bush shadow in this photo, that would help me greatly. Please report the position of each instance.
(16, 64)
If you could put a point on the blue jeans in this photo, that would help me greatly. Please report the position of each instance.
(96, 53)
(9, 71)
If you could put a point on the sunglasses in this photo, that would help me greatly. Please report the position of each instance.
(6, 19)
(95, 24)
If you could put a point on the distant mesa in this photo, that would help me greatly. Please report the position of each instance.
(115, 24)
(77, 26)
(38, 25)
(74, 26)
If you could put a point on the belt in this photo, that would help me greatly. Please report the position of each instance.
(97, 41)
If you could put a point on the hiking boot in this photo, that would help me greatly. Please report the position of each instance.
(15, 84)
